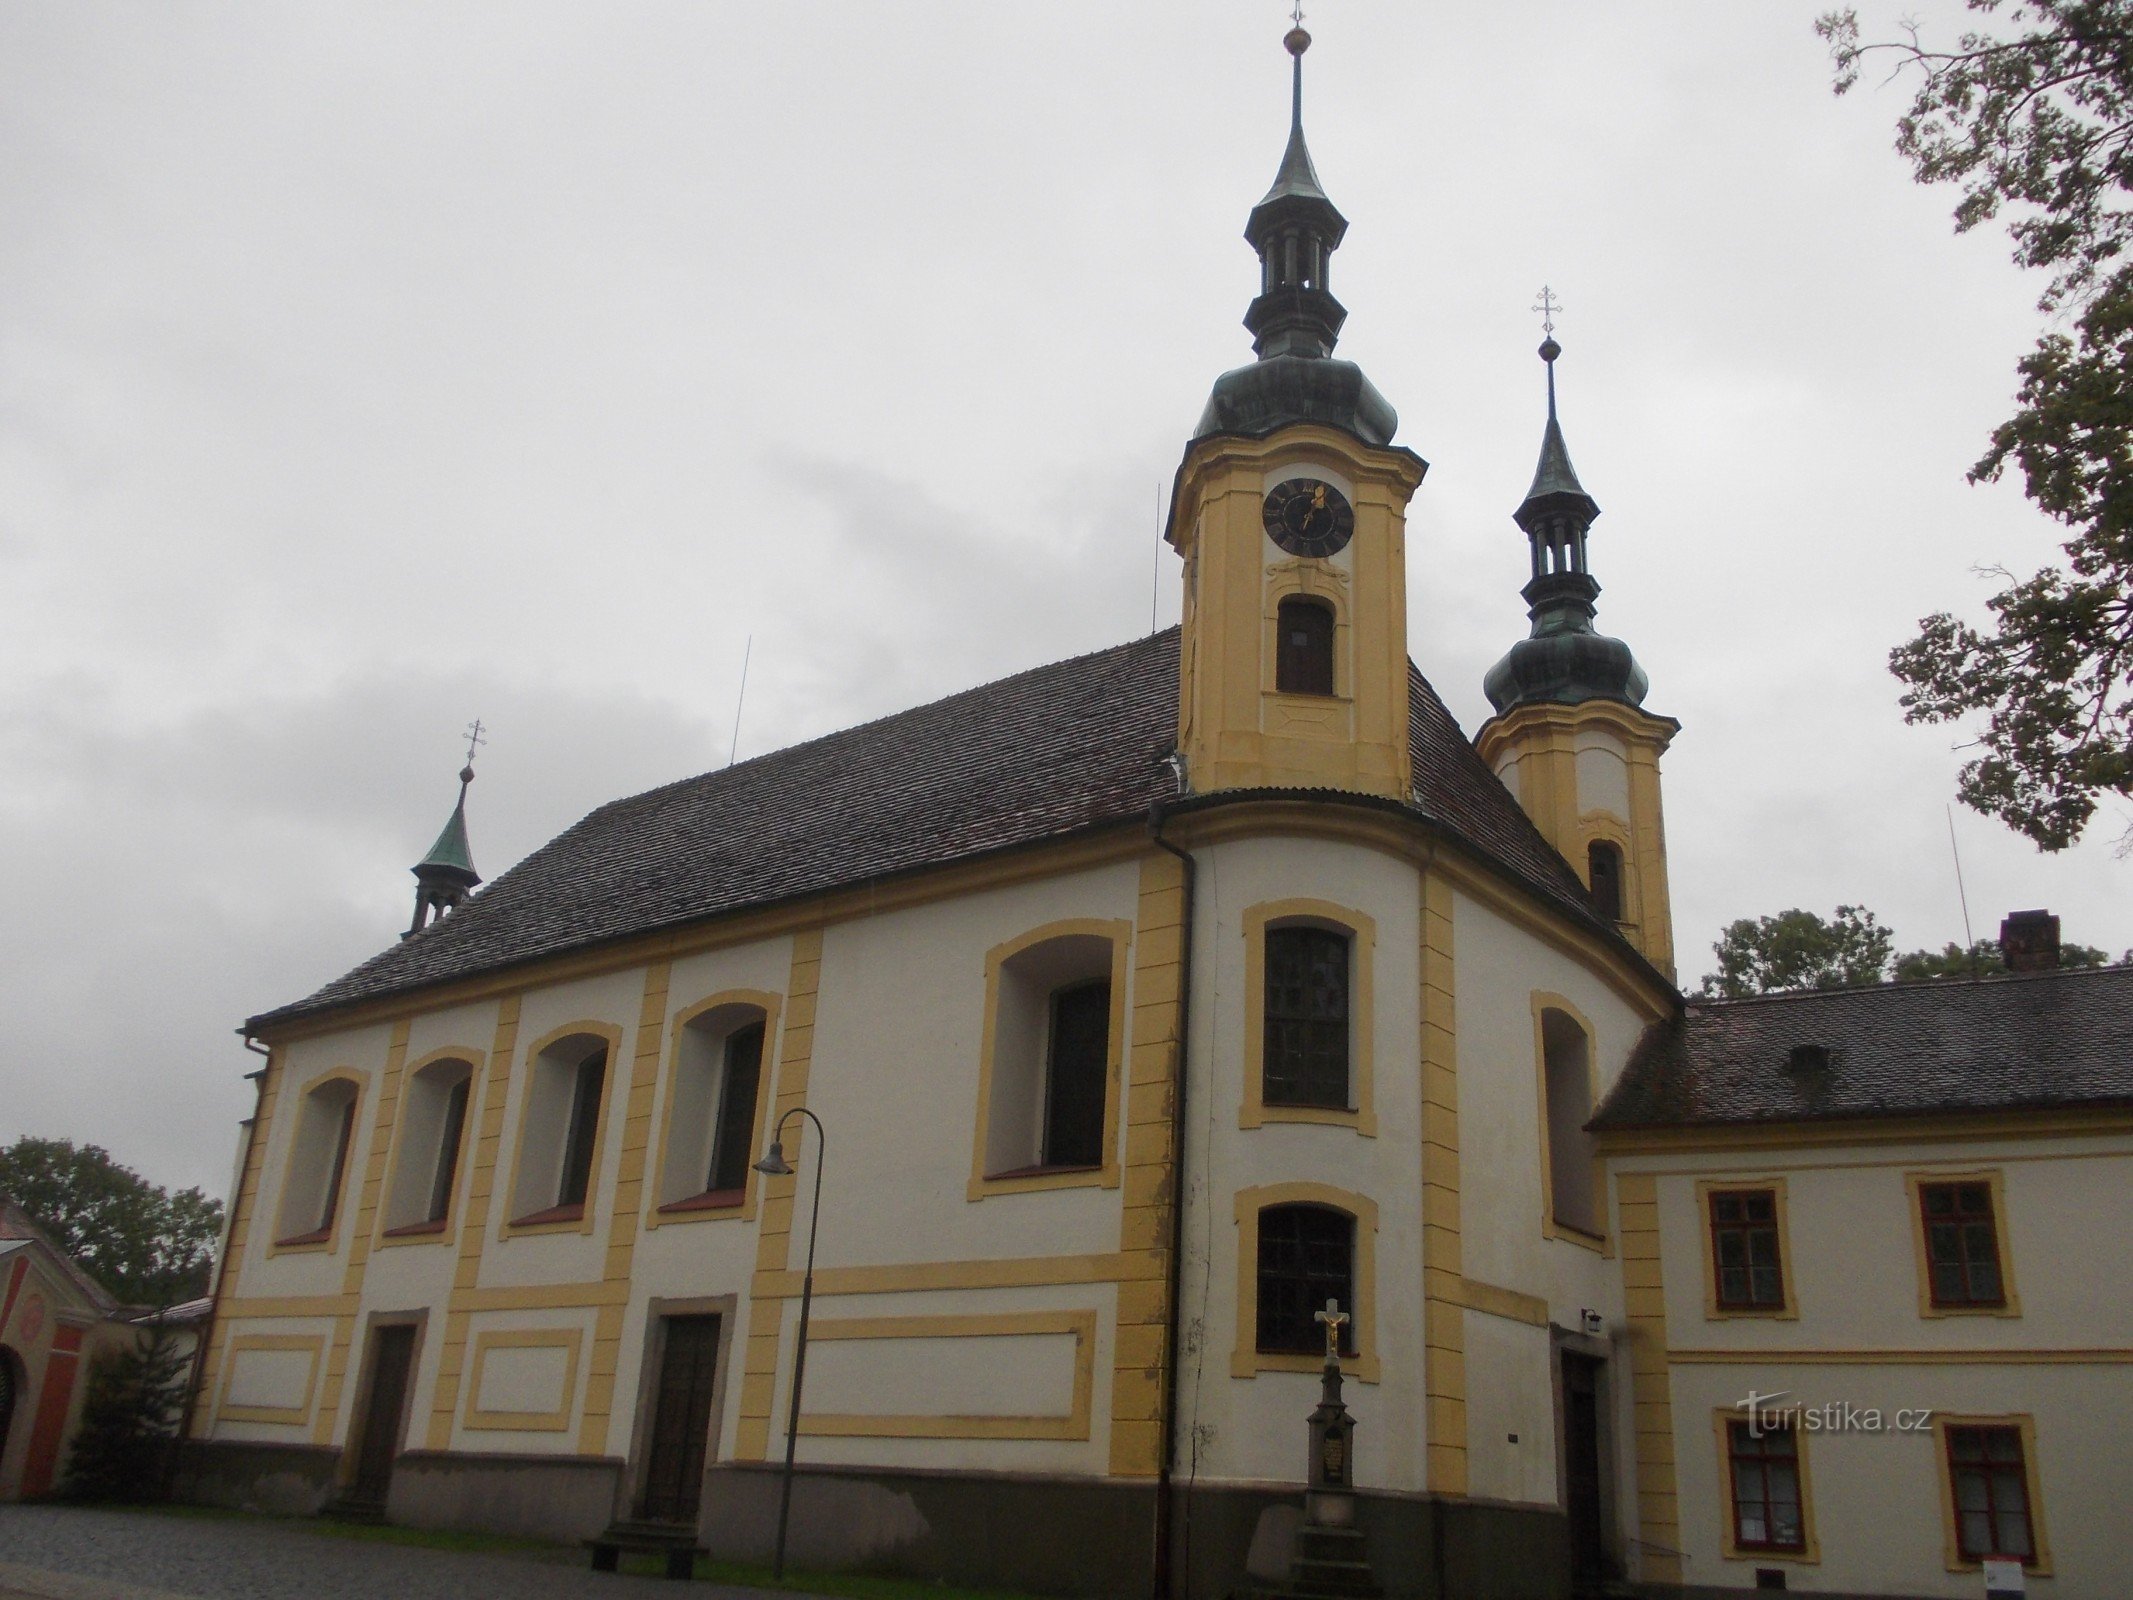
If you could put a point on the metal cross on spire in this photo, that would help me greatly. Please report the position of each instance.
(474, 739)
(1296, 14)
(1547, 305)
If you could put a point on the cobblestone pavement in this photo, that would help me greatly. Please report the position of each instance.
(80, 1553)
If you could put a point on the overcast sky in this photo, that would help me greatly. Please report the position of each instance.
(365, 368)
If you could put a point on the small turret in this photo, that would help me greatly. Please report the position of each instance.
(446, 876)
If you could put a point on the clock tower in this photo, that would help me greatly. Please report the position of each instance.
(1290, 512)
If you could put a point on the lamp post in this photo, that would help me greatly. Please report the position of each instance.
(775, 1165)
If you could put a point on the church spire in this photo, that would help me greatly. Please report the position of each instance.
(1294, 319)
(1295, 229)
(1565, 660)
(446, 876)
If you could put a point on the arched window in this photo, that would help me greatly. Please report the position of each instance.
(432, 1135)
(559, 1139)
(717, 1094)
(1306, 1257)
(1306, 1058)
(1603, 872)
(1303, 654)
(318, 1162)
(1566, 1070)
(1050, 1057)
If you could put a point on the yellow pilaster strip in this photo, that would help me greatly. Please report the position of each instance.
(366, 1216)
(1658, 1511)
(629, 1207)
(759, 1371)
(474, 1229)
(244, 1208)
(1443, 1257)
(1149, 1185)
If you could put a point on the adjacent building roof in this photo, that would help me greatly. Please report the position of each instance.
(19, 1231)
(2027, 1041)
(1044, 755)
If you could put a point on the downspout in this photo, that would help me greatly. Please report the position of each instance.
(222, 1264)
(1167, 1464)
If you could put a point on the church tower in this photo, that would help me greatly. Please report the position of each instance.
(1290, 512)
(1570, 737)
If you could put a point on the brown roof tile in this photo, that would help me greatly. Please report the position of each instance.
(1046, 754)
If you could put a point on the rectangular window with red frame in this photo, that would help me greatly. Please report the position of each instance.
(1744, 1250)
(1987, 1475)
(1962, 1246)
(1765, 1466)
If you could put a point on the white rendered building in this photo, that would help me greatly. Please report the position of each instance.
(1148, 1000)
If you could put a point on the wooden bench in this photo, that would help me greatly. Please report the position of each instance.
(678, 1545)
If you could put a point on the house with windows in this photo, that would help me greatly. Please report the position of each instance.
(1110, 1019)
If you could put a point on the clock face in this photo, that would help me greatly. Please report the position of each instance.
(1309, 518)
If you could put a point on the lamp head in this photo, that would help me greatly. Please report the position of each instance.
(773, 1163)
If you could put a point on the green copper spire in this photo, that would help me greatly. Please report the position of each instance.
(451, 848)
(1295, 320)
(446, 876)
(1565, 660)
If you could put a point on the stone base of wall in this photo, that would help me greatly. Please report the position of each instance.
(1079, 1536)
(284, 1480)
(560, 1498)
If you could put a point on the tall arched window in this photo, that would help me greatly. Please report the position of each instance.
(1306, 1060)
(1603, 872)
(1050, 1056)
(717, 1096)
(432, 1135)
(1303, 655)
(1566, 1070)
(318, 1162)
(559, 1138)
(1306, 1257)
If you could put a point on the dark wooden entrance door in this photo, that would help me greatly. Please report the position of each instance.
(681, 1421)
(392, 1352)
(1581, 1471)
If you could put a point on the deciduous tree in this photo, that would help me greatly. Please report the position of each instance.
(147, 1246)
(1798, 950)
(2039, 122)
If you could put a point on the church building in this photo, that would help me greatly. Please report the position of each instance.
(1058, 1050)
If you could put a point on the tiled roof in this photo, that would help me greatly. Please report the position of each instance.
(1043, 755)
(2021, 1042)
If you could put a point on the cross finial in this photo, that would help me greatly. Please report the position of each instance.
(1335, 1319)
(1296, 14)
(1547, 305)
(474, 739)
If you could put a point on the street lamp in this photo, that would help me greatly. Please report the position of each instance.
(775, 1165)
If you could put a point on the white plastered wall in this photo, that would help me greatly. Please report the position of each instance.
(2066, 1360)
(1253, 1428)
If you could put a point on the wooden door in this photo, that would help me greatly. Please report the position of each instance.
(392, 1351)
(1581, 1472)
(681, 1421)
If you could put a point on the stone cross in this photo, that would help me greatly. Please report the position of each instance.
(1334, 1318)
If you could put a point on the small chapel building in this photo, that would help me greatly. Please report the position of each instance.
(1147, 1001)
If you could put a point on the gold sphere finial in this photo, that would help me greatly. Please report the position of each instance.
(1296, 42)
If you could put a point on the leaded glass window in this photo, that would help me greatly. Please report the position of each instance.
(1306, 1051)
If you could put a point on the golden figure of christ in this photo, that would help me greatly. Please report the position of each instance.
(1334, 1318)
